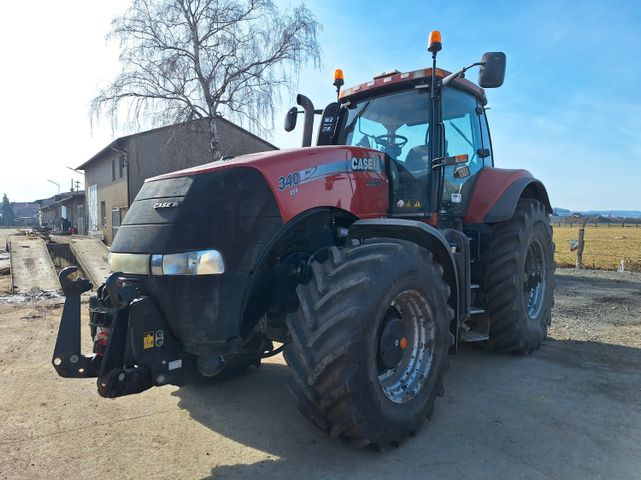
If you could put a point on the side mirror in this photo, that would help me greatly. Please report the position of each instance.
(492, 71)
(290, 119)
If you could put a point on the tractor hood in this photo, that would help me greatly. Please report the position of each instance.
(280, 160)
(311, 177)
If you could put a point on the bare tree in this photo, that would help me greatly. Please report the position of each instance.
(198, 59)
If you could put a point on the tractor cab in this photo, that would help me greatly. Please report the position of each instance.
(429, 123)
(397, 123)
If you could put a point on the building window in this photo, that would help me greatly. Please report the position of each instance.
(103, 213)
(115, 220)
(121, 165)
(113, 169)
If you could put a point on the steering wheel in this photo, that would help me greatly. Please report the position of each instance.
(389, 144)
(389, 141)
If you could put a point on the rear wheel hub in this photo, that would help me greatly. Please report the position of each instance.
(534, 279)
(405, 347)
(392, 342)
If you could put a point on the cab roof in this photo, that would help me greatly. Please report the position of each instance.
(397, 80)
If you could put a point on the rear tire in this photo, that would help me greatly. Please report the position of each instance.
(344, 341)
(520, 280)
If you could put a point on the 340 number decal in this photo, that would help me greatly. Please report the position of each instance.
(291, 180)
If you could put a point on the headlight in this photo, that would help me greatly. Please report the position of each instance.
(136, 263)
(202, 262)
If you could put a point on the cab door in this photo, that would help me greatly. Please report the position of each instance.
(462, 121)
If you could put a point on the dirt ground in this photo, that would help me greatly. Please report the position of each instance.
(572, 410)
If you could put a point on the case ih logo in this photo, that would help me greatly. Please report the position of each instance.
(166, 205)
(366, 164)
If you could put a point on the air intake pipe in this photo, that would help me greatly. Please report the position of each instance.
(308, 128)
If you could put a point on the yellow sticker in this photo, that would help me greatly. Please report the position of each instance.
(148, 340)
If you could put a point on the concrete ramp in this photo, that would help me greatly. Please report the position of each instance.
(31, 265)
(92, 256)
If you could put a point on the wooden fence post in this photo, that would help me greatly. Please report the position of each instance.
(579, 250)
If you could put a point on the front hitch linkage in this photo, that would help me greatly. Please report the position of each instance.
(67, 359)
(140, 351)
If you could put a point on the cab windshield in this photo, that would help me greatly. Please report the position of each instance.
(398, 125)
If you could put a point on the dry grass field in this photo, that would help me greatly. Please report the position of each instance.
(604, 247)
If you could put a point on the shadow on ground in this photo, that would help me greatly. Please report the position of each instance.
(594, 281)
(569, 411)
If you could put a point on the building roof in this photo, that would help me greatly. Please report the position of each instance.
(119, 140)
(65, 200)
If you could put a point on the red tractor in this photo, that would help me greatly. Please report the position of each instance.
(369, 257)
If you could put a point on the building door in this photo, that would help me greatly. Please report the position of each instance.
(92, 207)
(115, 221)
(80, 222)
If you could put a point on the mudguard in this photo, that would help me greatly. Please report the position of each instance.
(497, 191)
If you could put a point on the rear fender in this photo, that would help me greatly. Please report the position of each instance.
(497, 191)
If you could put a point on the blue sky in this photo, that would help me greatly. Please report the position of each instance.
(569, 111)
(570, 108)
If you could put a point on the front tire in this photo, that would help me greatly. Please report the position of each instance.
(369, 341)
(520, 280)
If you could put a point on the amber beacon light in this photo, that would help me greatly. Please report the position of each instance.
(339, 80)
(435, 42)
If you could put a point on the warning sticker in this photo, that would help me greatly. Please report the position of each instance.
(148, 340)
(174, 364)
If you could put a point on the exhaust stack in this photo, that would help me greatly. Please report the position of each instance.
(308, 106)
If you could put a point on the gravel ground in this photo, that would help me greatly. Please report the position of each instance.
(571, 410)
(598, 306)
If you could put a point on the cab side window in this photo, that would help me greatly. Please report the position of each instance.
(462, 127)
(487, 142)
(462, 137)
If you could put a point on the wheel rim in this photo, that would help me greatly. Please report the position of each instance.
(405, 347)
(534, 279)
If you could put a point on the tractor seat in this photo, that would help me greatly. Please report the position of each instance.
(417, 158)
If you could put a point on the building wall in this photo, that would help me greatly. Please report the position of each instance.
(72, 208)
(183, 146)
(156, 152)
(75, 213)
(112, 192)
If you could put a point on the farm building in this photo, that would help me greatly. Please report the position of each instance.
(65, 213)
(26, 213)
(115, 174)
